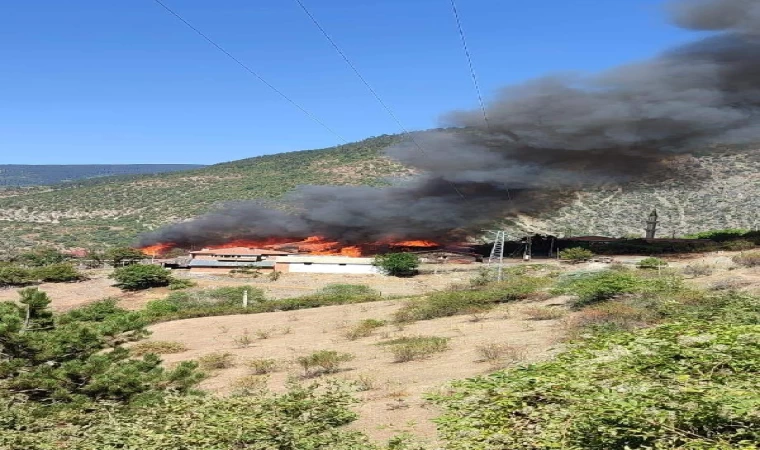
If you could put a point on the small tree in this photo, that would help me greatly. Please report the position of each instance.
(398, 264)
(141, 276)
(42, 256)
(652, 263)
(576, 254)
(58, 273)
(124, 255)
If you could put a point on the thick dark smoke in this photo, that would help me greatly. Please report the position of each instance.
(545, 140)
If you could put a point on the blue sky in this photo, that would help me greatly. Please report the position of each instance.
(93, 81)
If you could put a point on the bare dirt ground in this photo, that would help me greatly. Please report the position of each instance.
(394, 403)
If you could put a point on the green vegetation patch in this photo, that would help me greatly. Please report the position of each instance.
(468, 301)
(688, 384)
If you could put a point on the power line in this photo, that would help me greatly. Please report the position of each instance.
(469, 62)
(366, 84)
(251, 71)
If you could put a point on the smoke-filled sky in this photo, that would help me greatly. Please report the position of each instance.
(544, 140)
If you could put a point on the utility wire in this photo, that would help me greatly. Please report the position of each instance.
(469, 62)
(251, 71)
(366, 83)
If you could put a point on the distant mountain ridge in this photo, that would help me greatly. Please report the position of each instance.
(21, 175)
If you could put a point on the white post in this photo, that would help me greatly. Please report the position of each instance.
(245, 299)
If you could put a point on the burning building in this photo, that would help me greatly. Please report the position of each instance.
(544, 141)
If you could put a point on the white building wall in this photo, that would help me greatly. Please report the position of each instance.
(333, 268)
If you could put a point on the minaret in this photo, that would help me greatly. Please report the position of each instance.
(651, 224)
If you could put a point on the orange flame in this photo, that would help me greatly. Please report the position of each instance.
(314, 245)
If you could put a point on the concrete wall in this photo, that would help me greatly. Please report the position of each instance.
(327, 268)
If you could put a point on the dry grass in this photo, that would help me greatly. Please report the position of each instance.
(362, 329)
(251, 384)
(263, 366)
(157, 347)
(323, 362)
(749, 259)
(501, 354)
(616, 313)
(244, 340)
(543, 312)
(698, 270)
(413, 348)
(216, 361)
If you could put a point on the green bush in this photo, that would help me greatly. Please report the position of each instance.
(57, 273)
(652, 263)
(216, 361)
(11, 275)
(363, 329)
(600, 286)
(451, 303)
(576, 254)
(178, 284)
(157, 347)
(413, 348)
(141, 276)
(398, 264)
(323, 361)
(42, 256)
(120, 256)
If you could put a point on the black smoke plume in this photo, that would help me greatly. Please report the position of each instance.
(545, 140)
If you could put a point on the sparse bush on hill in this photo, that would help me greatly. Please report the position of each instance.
(42, 256)
(698, 270)
(141, 276)
(576, 254)
(120, 256)
(363, 329)
(749, 259)
(652, 263)
(398, 264)
(413, 348)
(322, 362)
(598, 287)
(451, 303)
(216, 361)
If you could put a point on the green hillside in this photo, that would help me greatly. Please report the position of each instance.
(109, 211)
(16, 175)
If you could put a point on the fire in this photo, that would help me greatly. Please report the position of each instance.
(155, 250)
(314, 245)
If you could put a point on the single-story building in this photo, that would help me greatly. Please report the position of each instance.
(238, 254)
(214, 266)
(325, 264)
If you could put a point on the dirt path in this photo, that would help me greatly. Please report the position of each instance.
(394, 402)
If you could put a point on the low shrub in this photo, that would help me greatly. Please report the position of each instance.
(543, 312)
(738, 245)
(323, 362)
(251, 384)
(698, 270)
(652, 263)
(137, 277)
(451, 303)
(363, 329)
(216, 361)
(57, 273)
(749, 259)
(11, 275)
(262, 366)
(612, 315)
(598, 287)
(413, 348)
(243, 340)
(499, 354)
(576, 254)
(157, 347)
(398, 264)
(729, 284)
(179, 283)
